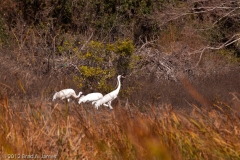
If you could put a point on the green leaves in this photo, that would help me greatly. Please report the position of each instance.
(103, 61)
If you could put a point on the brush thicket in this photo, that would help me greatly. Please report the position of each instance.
(81, 132)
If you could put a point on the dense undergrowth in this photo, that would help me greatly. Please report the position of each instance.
(70, 131)
(50, 45)
(46, 46)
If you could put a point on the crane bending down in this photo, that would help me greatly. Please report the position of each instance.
(66, 93)
(91, 97)
(108, 98)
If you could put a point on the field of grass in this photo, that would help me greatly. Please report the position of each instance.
(186, 53)
(69, 131)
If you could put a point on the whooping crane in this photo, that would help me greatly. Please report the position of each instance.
(108, 98)
(66, 93)
(91, 97)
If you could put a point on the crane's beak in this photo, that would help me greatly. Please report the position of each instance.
(123, 77)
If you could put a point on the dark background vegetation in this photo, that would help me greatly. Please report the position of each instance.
(49, 45)
(180, 98)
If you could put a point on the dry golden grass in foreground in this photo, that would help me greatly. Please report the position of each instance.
(82, 132)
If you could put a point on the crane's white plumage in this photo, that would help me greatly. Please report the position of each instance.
(91, 97)
(66, 93)
(108, 98)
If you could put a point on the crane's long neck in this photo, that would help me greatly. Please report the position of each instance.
(119, 84)
(77, 96)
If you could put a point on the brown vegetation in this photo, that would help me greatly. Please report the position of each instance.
(180, 98)
(81, 132)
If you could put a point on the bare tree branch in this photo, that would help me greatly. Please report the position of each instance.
(227, 14)
(198, 10)
(229, 42)
(90, 37)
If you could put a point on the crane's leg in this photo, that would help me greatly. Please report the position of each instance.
(96, 106)
(109, 105)
(105, 104)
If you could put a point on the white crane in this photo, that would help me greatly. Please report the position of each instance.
(91, 97)
(108, 98)
(66, 93)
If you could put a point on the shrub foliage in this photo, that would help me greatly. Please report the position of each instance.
(103, 61)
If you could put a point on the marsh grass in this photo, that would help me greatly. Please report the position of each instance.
(124, 133)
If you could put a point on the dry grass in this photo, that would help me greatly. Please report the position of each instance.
(81, 132)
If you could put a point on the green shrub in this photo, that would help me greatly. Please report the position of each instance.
(102, 62)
